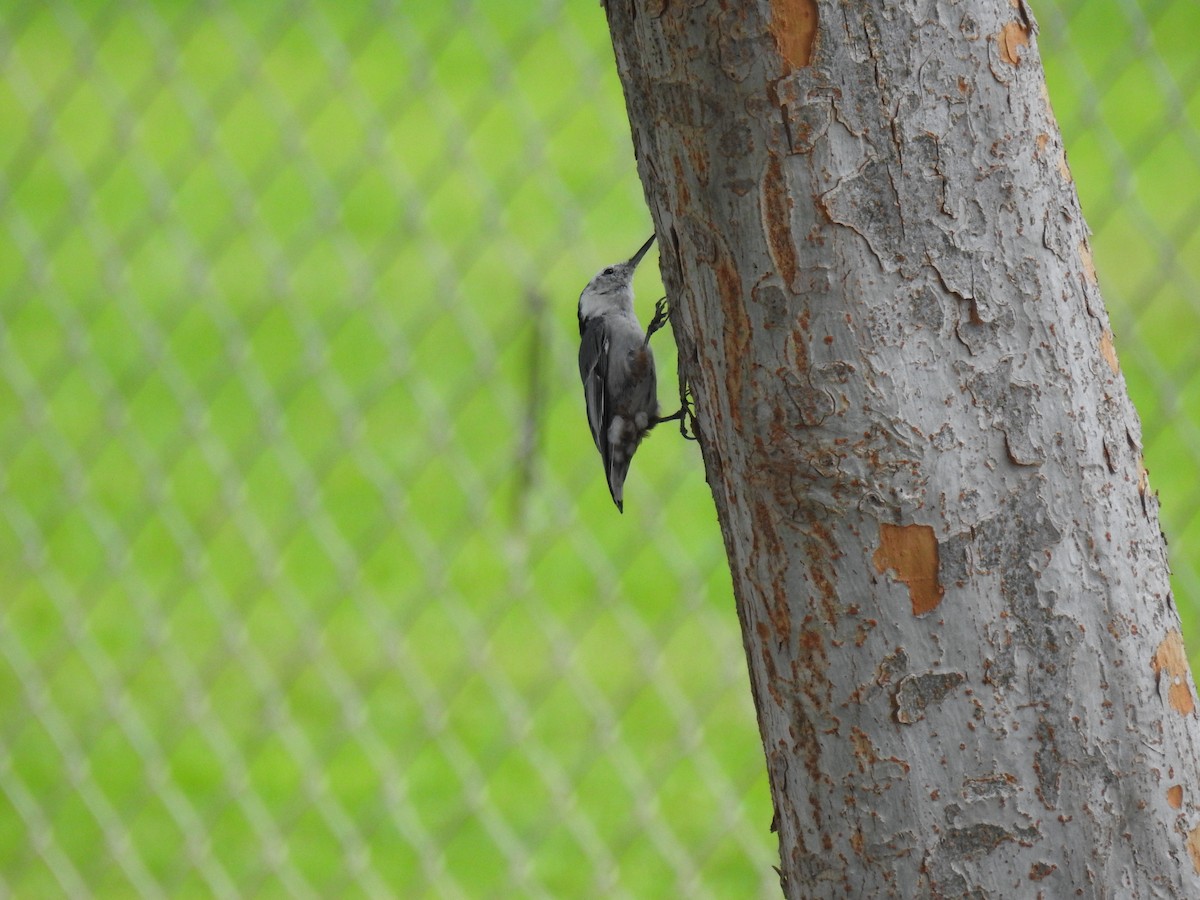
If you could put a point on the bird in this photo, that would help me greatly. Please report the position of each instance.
(616, 366)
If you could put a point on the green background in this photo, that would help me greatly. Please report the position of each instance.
(310, 581)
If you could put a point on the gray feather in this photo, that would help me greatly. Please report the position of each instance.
(617, 370)
(593, 369)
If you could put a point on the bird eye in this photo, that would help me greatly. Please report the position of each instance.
(608, 271)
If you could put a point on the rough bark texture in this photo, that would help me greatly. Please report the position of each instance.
(947, 560)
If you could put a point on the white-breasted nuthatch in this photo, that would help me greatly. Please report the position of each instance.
(617, 368)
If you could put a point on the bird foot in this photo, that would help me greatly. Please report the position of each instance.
(685, 415)
(661, 314)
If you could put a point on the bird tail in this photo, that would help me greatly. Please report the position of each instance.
(617, 471)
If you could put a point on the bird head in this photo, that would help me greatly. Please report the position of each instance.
(611, 289)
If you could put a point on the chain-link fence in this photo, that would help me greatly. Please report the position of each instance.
(309, 580)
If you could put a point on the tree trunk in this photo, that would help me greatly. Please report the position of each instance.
(947, 561)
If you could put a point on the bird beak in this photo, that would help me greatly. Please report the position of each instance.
(637, 257)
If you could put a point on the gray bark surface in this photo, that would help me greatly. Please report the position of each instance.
(946, 555)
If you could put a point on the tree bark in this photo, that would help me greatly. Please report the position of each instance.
(947, 561)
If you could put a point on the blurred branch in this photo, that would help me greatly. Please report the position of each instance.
(529, 445)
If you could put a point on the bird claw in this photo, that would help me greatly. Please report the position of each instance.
(687, 417)
(661, 314)
(684, 416)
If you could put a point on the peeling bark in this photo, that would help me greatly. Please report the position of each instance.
(946, 554)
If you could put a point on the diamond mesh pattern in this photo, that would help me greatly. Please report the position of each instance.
(311, 582)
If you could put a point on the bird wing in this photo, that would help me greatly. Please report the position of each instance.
(593, 369)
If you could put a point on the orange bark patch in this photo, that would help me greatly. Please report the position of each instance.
(911, 551)
(1013, 37)
(777, 220)
(1108, 351)
(768, 545)
(857, 843)
(1193, 845)
(1170, 661)
(737, 330)
(864, 751)
(1041, 870)
(1089, 264)
(1175, 796)
(794, 27)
